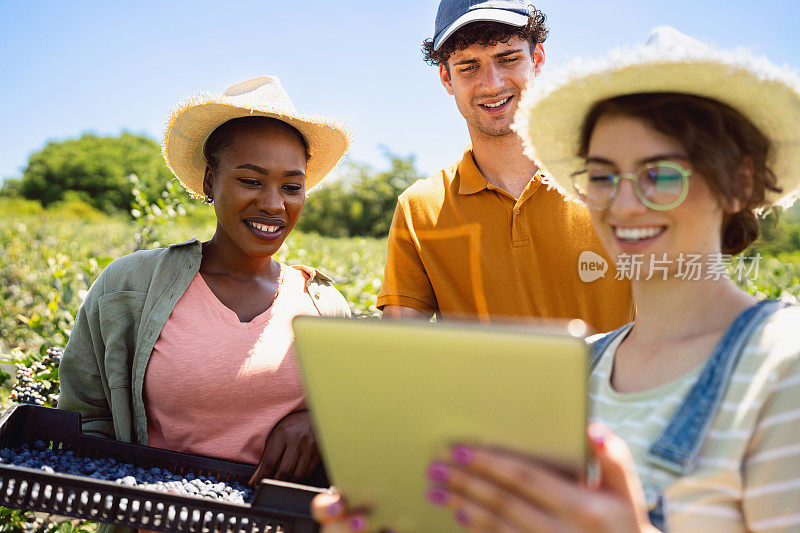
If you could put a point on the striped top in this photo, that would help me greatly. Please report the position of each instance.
(747, 477)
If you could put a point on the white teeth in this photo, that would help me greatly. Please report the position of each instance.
(264, 227)
(498, 104)
(636, 234)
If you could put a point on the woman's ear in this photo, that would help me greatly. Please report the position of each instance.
(734, 206)
(744, 186)
(208, 178)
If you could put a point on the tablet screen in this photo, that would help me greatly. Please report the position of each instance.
(388, 397)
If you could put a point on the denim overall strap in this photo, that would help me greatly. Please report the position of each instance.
(599, 346)
(656, 515)
(678, 446)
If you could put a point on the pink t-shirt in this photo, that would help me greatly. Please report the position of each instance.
(215, 386)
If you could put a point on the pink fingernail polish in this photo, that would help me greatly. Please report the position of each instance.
(438, 497)
(598, 437)
(358, 523)
(462, 454)
(335, 508)
(437, 472)
(462, 517)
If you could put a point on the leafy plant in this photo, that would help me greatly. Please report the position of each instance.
(150, 216)
(94, 167)
(361, 202)
(14, 521)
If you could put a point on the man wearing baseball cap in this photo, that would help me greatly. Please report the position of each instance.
(485, 238)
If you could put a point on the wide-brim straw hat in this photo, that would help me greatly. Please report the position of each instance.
(192, 121)
(551, 114)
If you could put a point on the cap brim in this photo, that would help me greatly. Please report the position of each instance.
(486, 14)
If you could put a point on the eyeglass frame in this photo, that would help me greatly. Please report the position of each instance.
(617, 179)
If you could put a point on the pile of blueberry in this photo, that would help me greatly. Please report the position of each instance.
(27, 388)
(39, 456)
(35, 384)
(53, 356)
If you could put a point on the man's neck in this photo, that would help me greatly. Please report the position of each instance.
(502, 161)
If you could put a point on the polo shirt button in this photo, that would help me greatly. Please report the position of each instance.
(316, 295)
(518, 211)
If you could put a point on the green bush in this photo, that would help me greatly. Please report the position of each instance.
(15, 206)
(97, 168)
(11, 187)
(361, 202)
(780, 232)
(76, 204)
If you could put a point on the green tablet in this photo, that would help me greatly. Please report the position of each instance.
(387, 397)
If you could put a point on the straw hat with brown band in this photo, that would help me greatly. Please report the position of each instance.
(192, 121)
(551, 114)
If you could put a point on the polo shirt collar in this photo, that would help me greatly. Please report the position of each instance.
(470, 178)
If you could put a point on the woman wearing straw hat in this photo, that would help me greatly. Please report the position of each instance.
(190, 347)
(675, 148)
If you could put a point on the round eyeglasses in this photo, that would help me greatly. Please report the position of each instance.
(661, 185)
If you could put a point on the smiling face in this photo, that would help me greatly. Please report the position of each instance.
(258, 187)
(629, 227)
(487, 82)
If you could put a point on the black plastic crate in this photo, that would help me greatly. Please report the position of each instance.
(277, 506)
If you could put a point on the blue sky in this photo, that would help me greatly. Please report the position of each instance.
(72, 67)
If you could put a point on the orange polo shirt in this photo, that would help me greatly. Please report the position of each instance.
(464, 248)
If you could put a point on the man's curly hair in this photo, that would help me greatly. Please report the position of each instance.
(486, 33)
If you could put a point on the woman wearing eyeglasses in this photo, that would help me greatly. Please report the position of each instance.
(695, 406)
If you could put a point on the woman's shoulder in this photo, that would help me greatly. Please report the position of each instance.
(326, 297)
(787, 316)
(771, 352)
(314, 276)
(778, 335)
(137, 270)
(136, 261)
(142, 260)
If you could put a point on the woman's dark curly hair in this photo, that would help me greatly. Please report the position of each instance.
(723, 145)
(485, 34)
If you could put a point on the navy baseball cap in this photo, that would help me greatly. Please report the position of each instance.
(454, 14)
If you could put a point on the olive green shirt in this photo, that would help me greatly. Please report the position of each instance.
(103, 367)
